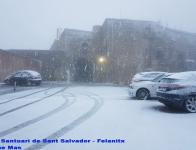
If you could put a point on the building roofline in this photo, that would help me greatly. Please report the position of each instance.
(19, 56)
(76, 30)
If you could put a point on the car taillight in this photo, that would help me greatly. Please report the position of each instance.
(170, 87)
(177, 87)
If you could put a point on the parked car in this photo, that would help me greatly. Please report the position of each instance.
(145, 84)
(179, 91)
(24, 77)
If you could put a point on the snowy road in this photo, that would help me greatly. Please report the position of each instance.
(91, 113)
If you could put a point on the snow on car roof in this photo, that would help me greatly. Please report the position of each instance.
(183, 75)
(147, 74)
(32, 72)
(150, 72)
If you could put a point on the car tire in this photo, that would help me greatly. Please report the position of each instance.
(190, 104)
(143, 94)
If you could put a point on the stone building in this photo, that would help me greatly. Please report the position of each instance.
(134, 46)
(77, 46)
(129, 46)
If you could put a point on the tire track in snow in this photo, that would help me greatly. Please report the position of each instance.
(31, 103)
(98, 102)
(66, 104)
(20, 97)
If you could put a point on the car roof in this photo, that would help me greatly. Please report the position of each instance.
(183, 75)
(29, 71)
(147, 76)
(149, 72)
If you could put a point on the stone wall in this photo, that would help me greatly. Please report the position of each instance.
(54, 63)
(10, 63)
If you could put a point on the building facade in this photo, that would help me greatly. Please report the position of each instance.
(130, 46)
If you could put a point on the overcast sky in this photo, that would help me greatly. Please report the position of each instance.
(32, 24)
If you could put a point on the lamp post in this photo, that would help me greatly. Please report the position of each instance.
(102, 61)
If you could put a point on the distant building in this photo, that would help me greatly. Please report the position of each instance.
(130, 46)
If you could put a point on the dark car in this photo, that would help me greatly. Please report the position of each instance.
(24, 77)
(179, 91)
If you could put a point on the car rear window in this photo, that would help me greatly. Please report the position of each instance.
(151, 75)
(169, 80)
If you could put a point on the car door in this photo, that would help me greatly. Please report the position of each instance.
(17, 78)
(156, 84)
(155, 87)
(24, 78)
(152, 86)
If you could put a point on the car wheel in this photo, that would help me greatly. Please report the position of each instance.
(143, 94)
(190, 104)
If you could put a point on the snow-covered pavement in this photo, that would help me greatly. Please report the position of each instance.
(92, 113)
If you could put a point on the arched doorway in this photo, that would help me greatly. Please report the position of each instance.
(83, 70)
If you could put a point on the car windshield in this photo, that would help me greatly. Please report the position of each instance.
(151, 75)
(146, 76)
(158, 78)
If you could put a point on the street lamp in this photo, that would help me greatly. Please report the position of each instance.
(101, 60)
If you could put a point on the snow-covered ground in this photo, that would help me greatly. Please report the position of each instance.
(91, 113)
